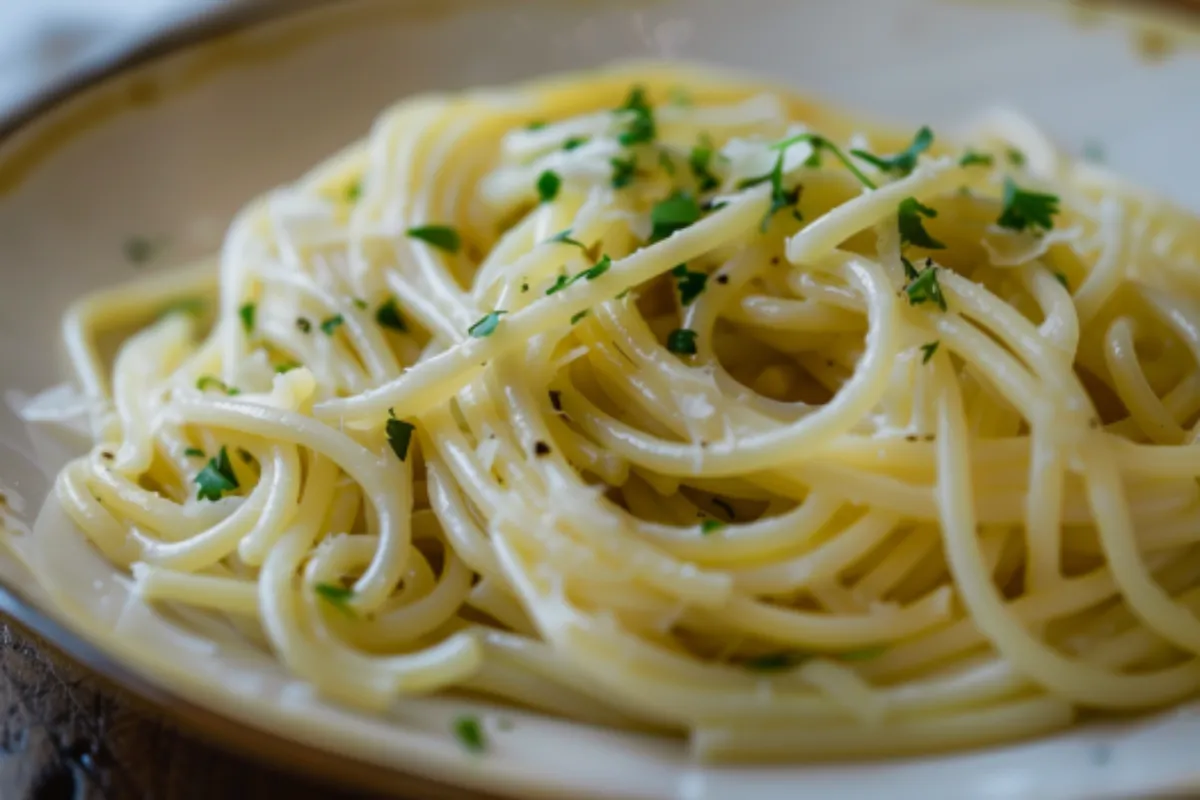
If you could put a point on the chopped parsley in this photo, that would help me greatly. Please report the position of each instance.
(905, 161)
(820, 143)
(971, 158)
(330, 324)
(590, 274)
(303, 324)
(469, 732)
(536, 125)
(928, 349)
(623, 171)
(360, 304)
(337, 596)
(216, 478)
(353, 192)
(574, 142)
(641, 127)
(576, 318)
(194, 452)
(682, 341)
(564, 237)
(676, 212)
(1015, 157)
(560, 283)
(548, 184)
(1061, 278)
(442, 237)
(710, 525)
(486, 326)
(912, 229)
(690, 284)
(247, 313)
(399, 434)
(287, 366)
(388, 316)
(925, 288)
(1024, 210)
(700, 161)
(780, 198)
(206, 382)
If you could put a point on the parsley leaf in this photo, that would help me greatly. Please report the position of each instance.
(710, 525)
(330, 324)
(560, 283)
(247, 312)
(676, 212)
(577, 317)
(682, 341)
(287, 366)
(337, 596)
(641, 127)
(303, 324)
(206, 382)
(193, 306)
(216, 478)
(903, 162)
(388, 316)
(564, 237)
(536, 125)
(690, 284)
(910, 272)
(820, 143)
(442, 237)
(353, 192)
(912, 230)
(548, 184)
(1027, 210)
(971, 158)
(1061, 278)
(1015, 157)
(700, 160)
(486, 325)
(925, 288)
(399, 434)
(574, 142)
(623, 171)
(469, 733)
(194, 452)
(666, 162)
(928, 350)
(780, 198)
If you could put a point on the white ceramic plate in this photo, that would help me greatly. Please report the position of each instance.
(169, 149)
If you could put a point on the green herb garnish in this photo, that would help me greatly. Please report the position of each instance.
(287, 366)
(912, 229)
(469, 732)
(641, 127)
(820, 143)
(206, 382)
(194, 452)
(564, 237)
(330, 324)
(780, 198)
(577, 317)
(1015, 157)
(710, 525)
(388, 316)
(971, 158)
(440, 236)
(682, 341)
(1061, 278)
(353, 192)
(928, 349)
(574, 142)
(536, 125)
(247, 313)
(925, 288)
(337, 596)
(700, 161)
(665, 161)
(486, 326)
(623, 171)
(1025, 210)
(548, 184)
(192, 306)
(399, 434)
(216, 478)
(303, 324)
(901, 163)
(676, 212)
(690, 284)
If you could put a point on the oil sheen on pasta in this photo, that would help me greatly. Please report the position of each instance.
(658, 398)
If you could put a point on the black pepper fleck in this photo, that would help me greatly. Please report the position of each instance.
(540, 448)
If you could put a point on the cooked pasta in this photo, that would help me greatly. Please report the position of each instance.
(662, 398)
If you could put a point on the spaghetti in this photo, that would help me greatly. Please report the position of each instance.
(665, 399)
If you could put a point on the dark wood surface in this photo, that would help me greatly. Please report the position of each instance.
(66, 736)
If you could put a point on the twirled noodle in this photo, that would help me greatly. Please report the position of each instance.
(638, 398)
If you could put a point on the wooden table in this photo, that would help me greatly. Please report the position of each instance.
(66, 736)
